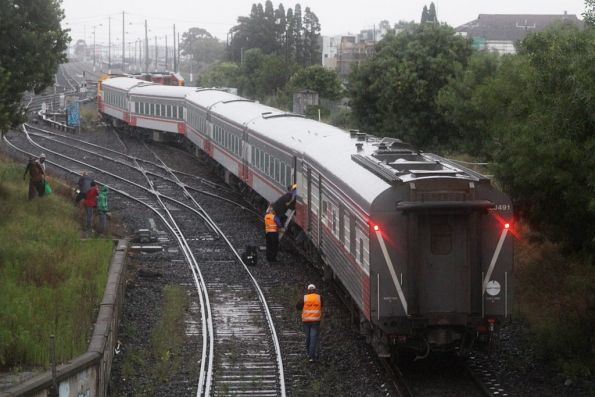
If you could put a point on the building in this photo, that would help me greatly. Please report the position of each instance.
(341, 52)
(500, 32)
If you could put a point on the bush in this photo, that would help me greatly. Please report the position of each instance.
(90, 118)
(556, 294)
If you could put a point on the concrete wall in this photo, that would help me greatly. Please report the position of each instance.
(87, 375)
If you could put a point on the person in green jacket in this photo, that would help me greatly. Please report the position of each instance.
(102, 208)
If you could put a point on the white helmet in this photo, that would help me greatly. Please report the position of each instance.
(311, 287)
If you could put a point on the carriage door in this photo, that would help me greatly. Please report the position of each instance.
(444, 264)
(314, 206)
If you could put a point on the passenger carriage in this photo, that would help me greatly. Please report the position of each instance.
(421, 245)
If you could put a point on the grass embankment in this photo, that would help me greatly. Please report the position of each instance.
(51, 282)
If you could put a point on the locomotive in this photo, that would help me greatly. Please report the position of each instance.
(422, 246)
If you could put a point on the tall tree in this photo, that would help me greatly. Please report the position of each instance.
(33, 45)
(395, 91)
(312, 54)
(289, 34)
(424, 15)
(280, 28)
(290, 37)
(298, 36)
(432, 17)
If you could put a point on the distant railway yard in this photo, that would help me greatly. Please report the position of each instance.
(197, 320)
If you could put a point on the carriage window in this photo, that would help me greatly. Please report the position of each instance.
(361, 251)
(334, 221)
(440, 239)
(346, 231)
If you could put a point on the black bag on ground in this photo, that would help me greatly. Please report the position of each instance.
(250, 255)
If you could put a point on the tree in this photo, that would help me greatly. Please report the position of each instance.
(33, 45)
(263, 74)
(274, 31)
(312, 54)
(317, 78)
(225, 74)
(80, 49)
(395, 91)
(432, 17)
(462, 102)
(424, 15)
(202, 46)
(546, 157)
(589, 14)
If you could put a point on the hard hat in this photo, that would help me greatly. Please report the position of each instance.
(42, 156)
(311, 286)
(294, 186)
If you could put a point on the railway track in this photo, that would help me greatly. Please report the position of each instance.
(241, 353)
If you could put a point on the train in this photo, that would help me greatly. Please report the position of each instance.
(421, 246)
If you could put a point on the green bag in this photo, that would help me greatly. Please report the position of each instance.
(48, 188)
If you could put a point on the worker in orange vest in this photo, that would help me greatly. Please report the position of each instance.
(272, 224)
(311, 307)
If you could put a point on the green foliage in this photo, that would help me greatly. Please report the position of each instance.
(33, 45)
(202, 46)
(224, 74)
(90, 118)
(589, 14)
(50, 281)
(546, 158)
(562, 329)
(263, 74)
(289, 35)
(461, 103)
(395, 91)
(317, 78)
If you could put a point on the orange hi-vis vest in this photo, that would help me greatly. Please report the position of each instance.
(270, 226)
(312, 310)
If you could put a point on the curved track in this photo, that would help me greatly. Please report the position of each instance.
(241, 352)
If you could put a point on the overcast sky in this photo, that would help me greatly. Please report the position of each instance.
(336, 16)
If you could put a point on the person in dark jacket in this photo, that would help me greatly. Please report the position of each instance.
(285, 202)
(83, 186)
(311, 307)
(90, 203)
(36, 178)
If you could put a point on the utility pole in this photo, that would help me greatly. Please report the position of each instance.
(146, 49)
(175, 60)
(93, 47)
(156, 53)
(178, 47)
(166, 53)
(123, 44)
(109, 45)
